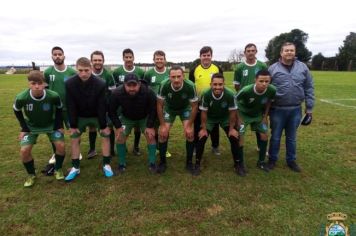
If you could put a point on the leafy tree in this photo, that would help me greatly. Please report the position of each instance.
(296, 36)
(317, 61)
(347, 53)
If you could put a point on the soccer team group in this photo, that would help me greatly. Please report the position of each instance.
(115, 103)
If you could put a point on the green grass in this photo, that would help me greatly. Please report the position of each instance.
(218, 202)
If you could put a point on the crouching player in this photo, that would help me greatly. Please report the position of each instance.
(43, 114)
(218, 107)
(254, 102)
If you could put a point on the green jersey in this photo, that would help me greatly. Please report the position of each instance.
(180, 99)
(155, 78)
(107, 76)
(120, 72)
(218, 107)
(245, 74)
(252, 103)
(56, 78)
(39, 112)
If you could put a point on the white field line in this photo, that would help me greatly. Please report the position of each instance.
(334, 102)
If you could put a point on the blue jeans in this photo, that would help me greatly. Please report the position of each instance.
(287, 118)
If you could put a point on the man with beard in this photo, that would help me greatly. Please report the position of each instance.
(97, 60)
(154, 76)
(218, 107)
(200, 75)
(176, 97)
(55, 76)
(138, 109)
(119, 76)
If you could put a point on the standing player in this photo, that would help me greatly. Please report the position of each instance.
(43, 111)
(254, 101)
(55, 76)
(138, 109)
(154, 77)
(97, 60)
(246, 71)
(86, 103)
(294, 85)
(119, 76)
(201, 77)
(176, 97)
(218, 107)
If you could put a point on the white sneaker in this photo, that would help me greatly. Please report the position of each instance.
(80, 156)
(108, 171)
(52, 160)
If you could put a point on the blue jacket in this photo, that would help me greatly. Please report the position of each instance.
(294, 86)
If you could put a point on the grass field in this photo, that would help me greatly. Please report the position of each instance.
(217, 202)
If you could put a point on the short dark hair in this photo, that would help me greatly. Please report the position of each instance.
(176, 67)
(206, 49)
(217, 75)
(57, 48)
(97, 53)
(250, 45)
(263, 72)
(35, 76)
(159, 53)
(127, 50)
(287, 44)
(83, 61)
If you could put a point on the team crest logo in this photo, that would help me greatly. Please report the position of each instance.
(153, 79)
(169, 95)
(166, 115)
(57, 134)
(224, 104)
(245, 72)
(121, 78)
(264, 100)
(251, 100)
(336, 227)
(184, 96)
(46, 107)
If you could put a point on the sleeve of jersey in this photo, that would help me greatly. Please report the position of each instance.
(19, 115)
(113, 106)
(204, 103)
(232, 103)
(194, 96)
(160, 94)
(153, 110)
(236, 78)
(102, 109)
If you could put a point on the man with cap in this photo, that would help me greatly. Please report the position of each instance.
(138, 109)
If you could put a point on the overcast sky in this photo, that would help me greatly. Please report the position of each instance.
(29, 29)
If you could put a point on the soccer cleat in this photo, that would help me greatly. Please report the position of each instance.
(294, 166)
(73, 173)
(271, 164)
(92, 154)
(262, 166)
(121, 169)
(80, 157)
(136, 151)
(108, 171)
(216, 151)
(58, 174)
(196, 170)
(161, 168)
(240, 170)
(152, 168)
(52, 160)
(30, 181)
(189, 167)
(168, 154)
